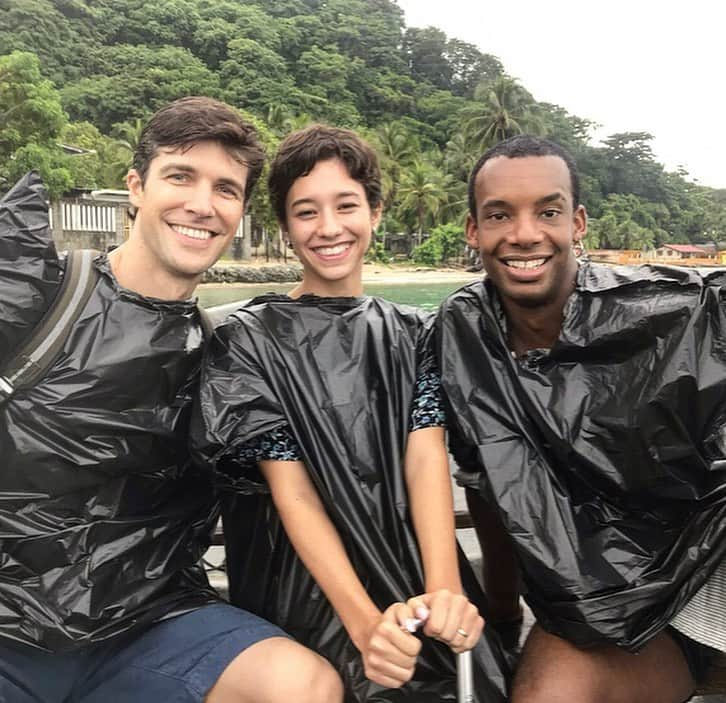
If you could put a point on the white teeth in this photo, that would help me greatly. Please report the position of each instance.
(192, 232)
(525, 263)
(332, 251)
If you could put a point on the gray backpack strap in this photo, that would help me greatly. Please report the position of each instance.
(207, 323)
(39, 351)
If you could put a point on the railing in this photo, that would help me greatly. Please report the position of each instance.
(80, 217)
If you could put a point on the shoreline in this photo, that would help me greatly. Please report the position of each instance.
(372, 273)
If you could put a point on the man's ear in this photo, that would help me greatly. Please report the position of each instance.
(135, 187)
(472, 232)
(580, 222)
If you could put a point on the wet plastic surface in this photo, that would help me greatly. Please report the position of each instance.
(606, 454)
(102, 520)
(340, 373)
(29, 270)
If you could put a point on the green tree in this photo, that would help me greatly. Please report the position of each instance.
(31, 120)
(469, 67)
(67, 42)
(133, 81)
(444, 243)
(422, 192)
(632, 166)
(324, 72)
(397, 148)
(426, 52)
(507, 109)
(626, 222)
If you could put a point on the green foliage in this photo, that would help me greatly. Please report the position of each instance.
(431, 103)
(445, 242)
(627, 222)
(133, 81)
(505, 109)
(31, 119)
(377, 252)
(49, 162)
(30, 109)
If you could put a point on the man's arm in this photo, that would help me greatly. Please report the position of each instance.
(500, 570)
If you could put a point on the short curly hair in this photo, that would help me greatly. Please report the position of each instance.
(302, 149)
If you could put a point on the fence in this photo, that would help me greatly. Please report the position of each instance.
(79, 225)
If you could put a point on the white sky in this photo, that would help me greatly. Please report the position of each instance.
(631, 66)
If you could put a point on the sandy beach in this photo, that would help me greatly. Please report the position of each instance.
(410, 273)
(386, 274)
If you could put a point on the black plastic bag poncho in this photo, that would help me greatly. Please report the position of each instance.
(30, 273)
(102, 521)
(340, 372)
(606, 455)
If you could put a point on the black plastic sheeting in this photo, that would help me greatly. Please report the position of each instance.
(341, 374)
(606, 455)
(29, 270)
(102, 521)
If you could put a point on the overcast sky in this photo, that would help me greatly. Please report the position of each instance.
(628, 65)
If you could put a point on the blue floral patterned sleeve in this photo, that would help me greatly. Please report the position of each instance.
(278, 444)
(427, 408)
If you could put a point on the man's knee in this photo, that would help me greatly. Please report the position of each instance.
(315, 682)
(555, 690)
(551, 670)
(278, 670)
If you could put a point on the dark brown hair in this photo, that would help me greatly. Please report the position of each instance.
(187, 121)
(301, 150)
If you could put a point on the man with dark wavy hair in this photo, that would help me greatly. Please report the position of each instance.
(104, 519)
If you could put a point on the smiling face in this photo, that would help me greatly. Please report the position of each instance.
(525, 229)
(187, 211)
(329, 223)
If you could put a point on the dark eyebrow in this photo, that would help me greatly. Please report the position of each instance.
(301, 201)
(554, 197)
(344, 194)
(551, 198)
(231, 182)
(176, 167)
(494, 203)
(186, 168)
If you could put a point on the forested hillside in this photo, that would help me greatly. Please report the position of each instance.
(86, 73)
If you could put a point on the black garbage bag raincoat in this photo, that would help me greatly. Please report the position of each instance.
(606, 455)
(102, 520)
(340, 372)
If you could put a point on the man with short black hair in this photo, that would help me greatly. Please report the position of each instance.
(587, 414)
(103, 517)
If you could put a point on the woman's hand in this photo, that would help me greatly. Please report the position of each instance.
(389, 651)
(451, 618)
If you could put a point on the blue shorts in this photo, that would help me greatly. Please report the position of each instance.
(175, 661)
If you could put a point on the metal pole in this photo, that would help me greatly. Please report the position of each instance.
(464, 678)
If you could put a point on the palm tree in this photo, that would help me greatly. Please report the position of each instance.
(397, 148)
(460, 156)
(282, 121)
(422, 191)
(506, 109)
(119, 152)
